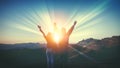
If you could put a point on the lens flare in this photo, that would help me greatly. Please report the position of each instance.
(81, 53)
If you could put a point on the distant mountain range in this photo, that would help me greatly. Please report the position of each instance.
(95, 44)
(88, 44)
(105, 52)
(21, 46)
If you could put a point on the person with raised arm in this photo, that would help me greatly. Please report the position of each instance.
(64, 43)
(51, 46)
(57, 52)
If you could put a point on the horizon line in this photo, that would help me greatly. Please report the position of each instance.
(46, 42)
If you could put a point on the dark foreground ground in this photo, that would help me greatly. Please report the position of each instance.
(36, 58)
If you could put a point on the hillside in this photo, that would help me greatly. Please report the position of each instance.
(96, 53)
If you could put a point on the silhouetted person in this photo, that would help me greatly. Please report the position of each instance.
(64, 42)
(57, 54)
(51, 46)
(63, 45)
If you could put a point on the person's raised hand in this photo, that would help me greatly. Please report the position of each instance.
(39, 27)
(75, 23)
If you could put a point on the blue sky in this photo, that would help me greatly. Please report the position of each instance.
(95, 19)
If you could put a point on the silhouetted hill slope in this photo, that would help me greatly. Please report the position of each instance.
(24, 55)
(102, 53)
(21, 46)
(95, 44)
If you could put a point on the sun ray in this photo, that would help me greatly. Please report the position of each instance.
(34, 15)
(26, 21)
(88, 25)
(48, 10)
(74, 13)
(39, 18)
(30, 16)
(40, 21)
(25, 28)
(37, 14)
(81, 53)
(99, 9)
(46, 14)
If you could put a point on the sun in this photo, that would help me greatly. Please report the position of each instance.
(56, 38)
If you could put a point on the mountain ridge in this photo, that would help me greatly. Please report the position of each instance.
(90, 44)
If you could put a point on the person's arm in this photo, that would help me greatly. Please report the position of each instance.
(71, 29)
(42, 31)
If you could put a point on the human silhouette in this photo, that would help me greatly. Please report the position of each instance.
(51, 47)
(63, 45)
(57, 53)
(64, 41)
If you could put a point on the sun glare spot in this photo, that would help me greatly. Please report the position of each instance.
(56, 38)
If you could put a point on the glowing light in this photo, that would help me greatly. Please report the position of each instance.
(56, 38)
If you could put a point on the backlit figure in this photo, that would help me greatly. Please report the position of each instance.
(57, 46)
(51, 47)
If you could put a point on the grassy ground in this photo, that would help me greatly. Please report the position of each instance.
(36, 58)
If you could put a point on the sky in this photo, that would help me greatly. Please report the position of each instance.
(95, 19)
